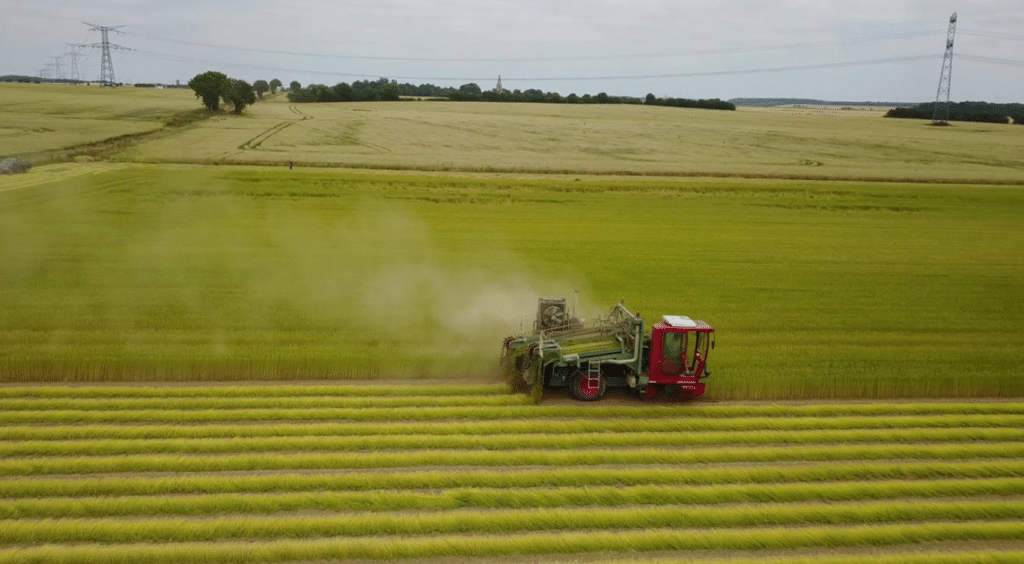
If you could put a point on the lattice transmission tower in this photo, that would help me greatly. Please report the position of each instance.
(58, 67)
(73, 57)
(106, 64)
(941, 113)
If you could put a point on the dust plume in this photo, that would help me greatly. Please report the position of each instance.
(197, 277)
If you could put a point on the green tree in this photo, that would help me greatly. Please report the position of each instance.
(241, 94)
(210, 87)
(274, 85)
(342, 92)
(262, 87)
(390, 92)
(295, 86)
(651, 99)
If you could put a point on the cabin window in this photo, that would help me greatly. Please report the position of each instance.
(672, 347)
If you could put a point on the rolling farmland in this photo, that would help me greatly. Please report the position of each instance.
(155, 303)
(469, 473)
(865, 273)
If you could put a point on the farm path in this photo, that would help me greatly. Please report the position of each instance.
(255, 142)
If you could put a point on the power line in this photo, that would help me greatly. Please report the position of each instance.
(992, 60)
(795, 68)
(992, 35)
(626, 56)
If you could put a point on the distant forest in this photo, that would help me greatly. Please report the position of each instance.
(965, 111)
(37, 80)
(769, 102)
(385, 90)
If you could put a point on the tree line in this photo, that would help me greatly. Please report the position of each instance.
(390, 90)
(211, 87)
(965, 111)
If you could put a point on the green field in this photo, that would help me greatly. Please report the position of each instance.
(223, 474)
(838, 254)
(816, 289)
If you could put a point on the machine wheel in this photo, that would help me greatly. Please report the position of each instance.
(648, 392)
(582, 390)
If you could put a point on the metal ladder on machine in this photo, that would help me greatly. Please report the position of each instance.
(594, 374)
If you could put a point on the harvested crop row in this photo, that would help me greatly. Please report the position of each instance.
(259, 402)
(23, 531)
(570, 476)
(480, 545)
(216, 479)
(496, 413)
(100, 447)
(503, 498)
(30, 466)
(521, 426)
(276, 391)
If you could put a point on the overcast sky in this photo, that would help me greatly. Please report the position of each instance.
(859, 50)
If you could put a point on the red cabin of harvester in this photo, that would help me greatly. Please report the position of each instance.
(679, 355)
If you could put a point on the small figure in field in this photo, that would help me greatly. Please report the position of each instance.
(291, 165)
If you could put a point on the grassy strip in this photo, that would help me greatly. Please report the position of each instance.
(101, 447)
(26, 531)
(30, 466)
(522, 426)
(504, 498)
(503, 413)
(642, 475)
(261, 402)
(760, 538)
(266, 390)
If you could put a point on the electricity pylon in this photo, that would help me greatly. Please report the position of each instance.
(941, 114)
(107, 64)
(73, 56)
(58, 68)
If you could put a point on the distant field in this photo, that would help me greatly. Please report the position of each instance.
(577, 139)
(38, 120)
(817, 289)
(778, 143)
(459, 474)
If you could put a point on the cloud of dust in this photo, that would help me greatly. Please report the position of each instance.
(233, 276)
(385, 276)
